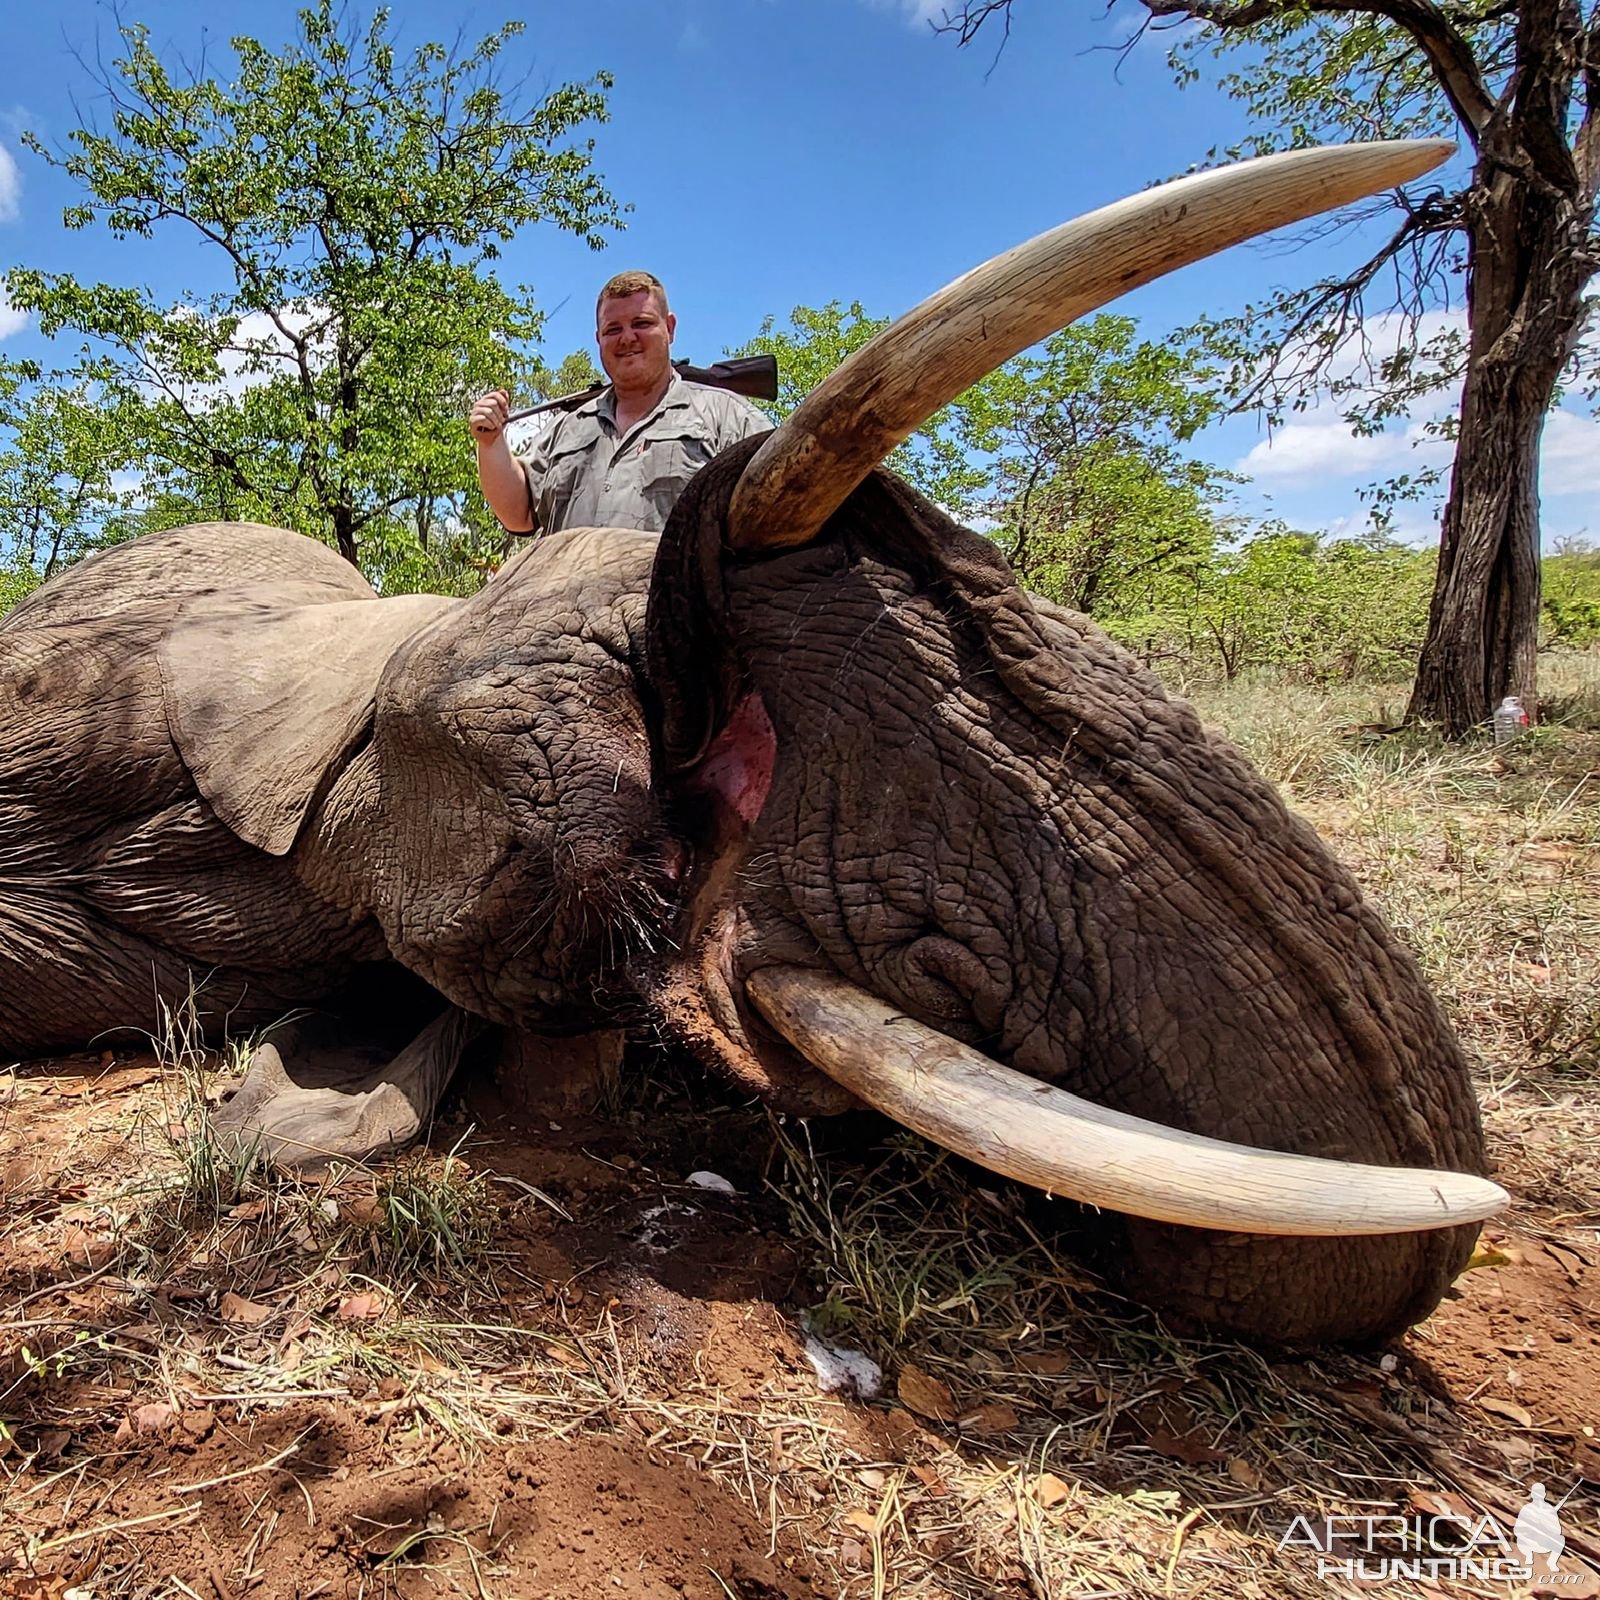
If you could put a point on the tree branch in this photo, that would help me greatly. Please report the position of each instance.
(1447, 51)
(1549, 37)
(1340, 299)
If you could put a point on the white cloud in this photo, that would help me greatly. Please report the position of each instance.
(1320, 444)
(10, 186)
(1570, 458)
(917, 12)
(1318, 447)
(257, 352)
(11, 320)
(1324, 446)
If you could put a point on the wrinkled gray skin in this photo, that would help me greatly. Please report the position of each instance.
(472, 830)
(560, 813)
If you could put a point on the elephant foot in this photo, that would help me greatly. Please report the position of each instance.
(310, 1097)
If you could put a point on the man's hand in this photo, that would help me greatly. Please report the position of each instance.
(500, 474)
(489, 415)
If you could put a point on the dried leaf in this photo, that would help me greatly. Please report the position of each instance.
(1190, 1447)
(299, 1326)
(1439, 1503)
(1361, 1388)
(249, 1314)
(198, 1424)
(366, 1307)
(1508, 1409)
(82, 1249)
(1047, 1363)
(872, 1478)
(1516, 1452)
(991, 1417)
(926, 1395)
(1050, 1491)
(152, 1418)
(862, 1521)
(1171, 1430)
(361, 1211)
(248, 1211)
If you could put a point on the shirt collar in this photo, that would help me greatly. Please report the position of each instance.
(604, 404)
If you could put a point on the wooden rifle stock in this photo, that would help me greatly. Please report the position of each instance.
(755, 377)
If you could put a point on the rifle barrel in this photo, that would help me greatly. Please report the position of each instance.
(756, 377)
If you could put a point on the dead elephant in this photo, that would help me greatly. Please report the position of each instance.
(813, 785)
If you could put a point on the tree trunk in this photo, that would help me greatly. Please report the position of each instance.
(1525, 293)
(344, 529)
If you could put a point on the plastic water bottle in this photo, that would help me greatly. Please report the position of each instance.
(1509, 720)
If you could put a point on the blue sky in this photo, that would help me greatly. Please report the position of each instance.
(777, 154)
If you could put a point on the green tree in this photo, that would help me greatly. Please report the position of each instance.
(818, 339)
(1325, 611)
(57, 470)
(570, 375)
(1572, 594)
(1069, 456)
(352, 201)
(1092, 498)
(1517, 80)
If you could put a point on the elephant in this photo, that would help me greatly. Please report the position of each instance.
(810, 784)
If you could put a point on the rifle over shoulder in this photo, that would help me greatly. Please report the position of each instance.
(755, 377)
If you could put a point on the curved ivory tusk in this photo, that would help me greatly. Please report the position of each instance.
(890, 387)
(1042, 1135)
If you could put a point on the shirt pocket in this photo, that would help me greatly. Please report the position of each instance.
(570, 470)
(668, 461)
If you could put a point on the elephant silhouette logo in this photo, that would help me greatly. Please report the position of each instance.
(1539, 1529)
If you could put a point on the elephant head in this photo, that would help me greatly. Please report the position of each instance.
(958, 855)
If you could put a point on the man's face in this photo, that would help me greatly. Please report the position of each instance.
(635, 339)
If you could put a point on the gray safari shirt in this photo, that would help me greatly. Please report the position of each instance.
(582, 474)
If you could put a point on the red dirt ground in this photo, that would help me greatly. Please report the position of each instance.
(371, 1496)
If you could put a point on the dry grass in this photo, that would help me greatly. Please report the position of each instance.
(1488, 866)
(1039, 1438)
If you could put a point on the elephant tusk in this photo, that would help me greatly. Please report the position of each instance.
(1042, 1135)
(878, 398)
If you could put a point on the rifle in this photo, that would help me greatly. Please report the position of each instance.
(756, 377)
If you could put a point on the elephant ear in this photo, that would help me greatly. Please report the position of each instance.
(264, 702)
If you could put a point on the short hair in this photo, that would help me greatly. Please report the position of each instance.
(628, 283)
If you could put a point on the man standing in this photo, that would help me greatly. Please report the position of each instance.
(622, 459)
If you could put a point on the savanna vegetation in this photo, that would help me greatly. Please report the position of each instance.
(1512, 239)
(442, 1374)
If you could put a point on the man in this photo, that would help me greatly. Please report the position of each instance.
(622, 459)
